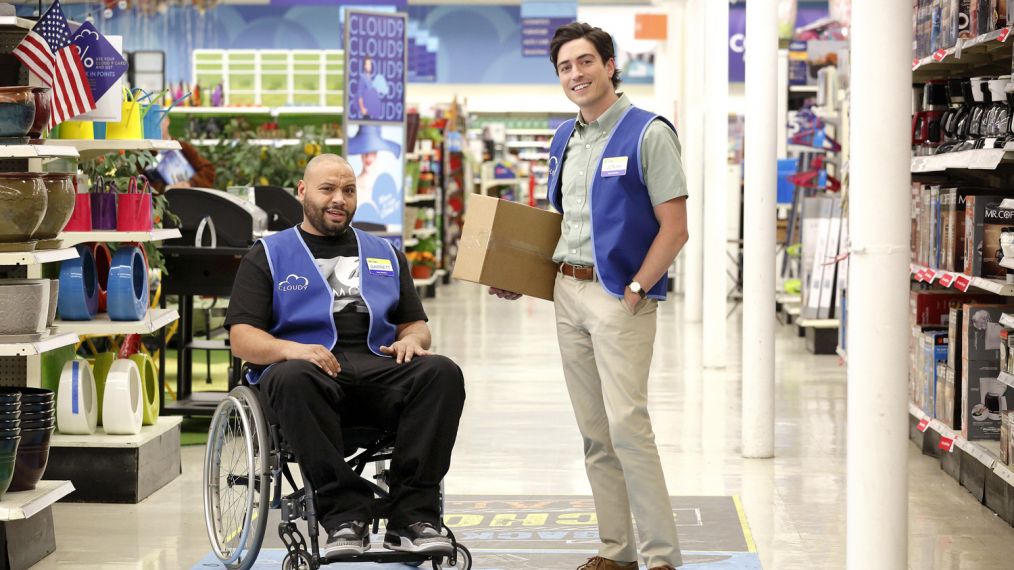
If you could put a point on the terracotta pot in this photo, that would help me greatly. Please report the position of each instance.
(17, 111)
(43, 111)
(23, 204)
(422, 272)
(60, 205)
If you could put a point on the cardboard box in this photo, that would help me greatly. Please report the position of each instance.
(946, 393)
(980, 332)
(984, 399)
(509, 246)
(935, 347)
(932, 306)
(953, 220)
(984, 219)
(1006, 423)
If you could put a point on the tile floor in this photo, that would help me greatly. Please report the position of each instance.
(518, 438)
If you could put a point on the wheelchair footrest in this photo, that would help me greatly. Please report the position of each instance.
(384, 557)
(292, 539)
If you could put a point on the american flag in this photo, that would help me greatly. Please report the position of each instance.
(48, 52)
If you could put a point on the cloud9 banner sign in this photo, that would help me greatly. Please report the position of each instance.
(375, 66)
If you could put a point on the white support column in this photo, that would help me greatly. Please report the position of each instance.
(716, 148)
(760, 194)
(879, 209)
(692, 138)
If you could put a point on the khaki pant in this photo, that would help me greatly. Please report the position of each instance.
(606, 354)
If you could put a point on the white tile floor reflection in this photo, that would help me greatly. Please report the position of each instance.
(518, 437)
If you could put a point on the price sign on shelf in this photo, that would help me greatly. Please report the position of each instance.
(946, 279)
(923, 425)
(963, 282)
(918, 276)
(939, 55)
(1003, 35)
(946, 444)
(929, 275)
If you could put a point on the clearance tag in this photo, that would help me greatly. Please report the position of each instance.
(380, 266)
(615, 166)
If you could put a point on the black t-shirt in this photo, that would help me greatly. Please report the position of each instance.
(338, 260)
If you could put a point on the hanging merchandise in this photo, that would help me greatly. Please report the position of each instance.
(79, 287)
(122, 409)
(127, 295)
(77, 404)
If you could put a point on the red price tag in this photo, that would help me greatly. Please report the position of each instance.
(963, 282)
(946, 444)
(923, 425)
(946, 279)
(929, 275)
(917, 275)
(940, 55)
(1003, 35)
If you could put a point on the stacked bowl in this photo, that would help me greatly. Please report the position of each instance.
(38, 420)
(10, 435)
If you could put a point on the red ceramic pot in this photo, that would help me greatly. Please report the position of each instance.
(43, 112)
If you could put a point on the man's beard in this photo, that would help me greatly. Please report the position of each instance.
(317, 218)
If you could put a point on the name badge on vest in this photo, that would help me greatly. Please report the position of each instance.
(380, 266)
(615, 166)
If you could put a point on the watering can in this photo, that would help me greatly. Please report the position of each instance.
(154, 113)
(129, 127)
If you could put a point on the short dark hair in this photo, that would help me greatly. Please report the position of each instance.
(602, 41)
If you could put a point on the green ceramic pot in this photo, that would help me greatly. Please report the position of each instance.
(23, 203)
(59, 205)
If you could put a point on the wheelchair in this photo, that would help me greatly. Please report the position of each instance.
(246, 459)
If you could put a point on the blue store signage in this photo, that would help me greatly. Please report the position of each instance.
(375, 66)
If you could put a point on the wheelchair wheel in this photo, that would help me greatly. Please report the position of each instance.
(463, 562)
(298, 562)
(237, 479)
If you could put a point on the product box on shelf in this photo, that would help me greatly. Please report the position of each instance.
(984, 399)
(984, 220)
(980, 331)
(935, 353)
(509, 246)
(947, 408)
(952, 221)
(917, 377)
(932, 306)
(1006, 423)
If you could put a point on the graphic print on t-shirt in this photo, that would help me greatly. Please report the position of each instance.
(343, 276)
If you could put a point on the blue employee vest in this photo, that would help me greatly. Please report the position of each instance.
(622, 217)
(302, 304)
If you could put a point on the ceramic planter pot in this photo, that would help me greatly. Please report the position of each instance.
(17, 111)
(9, 397)
(20, 306)
(9, 446)
(29, 396)
(43, 111)
(11, 413)
(32, 457)
(7, 461)
(23, 204)
(59, 205)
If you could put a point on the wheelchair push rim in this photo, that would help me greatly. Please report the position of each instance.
(236, 480)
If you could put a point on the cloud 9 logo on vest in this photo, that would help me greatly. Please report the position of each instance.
(294, 283)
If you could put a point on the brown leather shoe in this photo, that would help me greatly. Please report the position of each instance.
(599, 563)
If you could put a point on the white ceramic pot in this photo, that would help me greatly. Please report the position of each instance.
(122, 399)
(77, 406)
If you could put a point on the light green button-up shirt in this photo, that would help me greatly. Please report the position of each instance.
(660, 159)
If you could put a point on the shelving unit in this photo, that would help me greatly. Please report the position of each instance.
(271, 111)
(37, 257)
(73, 238)
(961, 281)
(38, 347)
(48, 150)
(101, 325)
(277, 143)
(89, 149)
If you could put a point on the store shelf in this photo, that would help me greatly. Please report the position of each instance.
(74, 238)
(276, 143)
(985, 53)
(956, 280)
(273, 111)
(986, 452)
(316, 111)
(11, 23)
(530, 132)
(977, 159)
(21, 505)
(103, 326)
(55, 150)
(1006, 378)
(47, 344)
(101, 439)
(37, 257)
(528, 144)
(420, 198)
(89, 149)
(788, 299)
(1007, 320)
(1009, 264)
(802, 88)
(424, 232)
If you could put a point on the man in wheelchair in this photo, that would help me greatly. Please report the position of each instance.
(330, 318)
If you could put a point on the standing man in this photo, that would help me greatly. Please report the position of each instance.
(615, 174)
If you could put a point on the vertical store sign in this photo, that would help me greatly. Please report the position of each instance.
(376, 67)
(539, 21)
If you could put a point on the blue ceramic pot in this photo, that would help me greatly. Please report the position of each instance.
(17, 111)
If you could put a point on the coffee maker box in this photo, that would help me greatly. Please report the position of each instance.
(946, 405)
(984, 220)
(984, 399)
(980, 331)
(935, 353)
(952, 219)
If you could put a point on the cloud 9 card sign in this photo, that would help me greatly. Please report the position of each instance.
(376, 64)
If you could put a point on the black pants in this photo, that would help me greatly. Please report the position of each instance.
(422, 400)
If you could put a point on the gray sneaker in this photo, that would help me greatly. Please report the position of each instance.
(351, 538)
(419, 538)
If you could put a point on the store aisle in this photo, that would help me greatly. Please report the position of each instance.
(518, 437)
